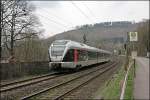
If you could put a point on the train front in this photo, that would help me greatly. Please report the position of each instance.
(57, 52)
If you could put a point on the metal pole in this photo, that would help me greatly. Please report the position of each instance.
(127, 53)
(133, 42)
(134, 67)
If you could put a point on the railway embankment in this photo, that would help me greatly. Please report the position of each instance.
(114, 86)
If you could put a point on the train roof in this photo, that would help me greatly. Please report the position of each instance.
(73, 44)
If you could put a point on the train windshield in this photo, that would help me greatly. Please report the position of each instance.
(60, 43)
(57, 50)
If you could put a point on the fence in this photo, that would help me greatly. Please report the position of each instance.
(14, 70)
(125, 80)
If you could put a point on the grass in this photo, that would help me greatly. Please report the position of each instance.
(130, 84)
(112, 89)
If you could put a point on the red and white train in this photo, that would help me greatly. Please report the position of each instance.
(69, 54)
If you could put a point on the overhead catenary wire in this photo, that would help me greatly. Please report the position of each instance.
(60, 27)
(52, 32)
(57, 25)
(82, 12)
(64, 26)
(90, 11)
(60, 18)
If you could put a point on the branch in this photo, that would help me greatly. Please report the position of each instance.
(18, 45)
(8, 5)
(6, 41)
(6, 16)
(33, 34)
(19, 32)
(6, 22)
(6, 35)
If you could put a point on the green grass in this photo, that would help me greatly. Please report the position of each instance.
(113, 89)
(130, 84)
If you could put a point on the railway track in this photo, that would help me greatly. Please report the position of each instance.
(22, 83)
(72, 84)
(25, 90)
(78, 92)
(3, 84)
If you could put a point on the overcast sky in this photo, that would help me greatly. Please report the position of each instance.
(60, 16)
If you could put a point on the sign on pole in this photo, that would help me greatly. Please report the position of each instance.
(133, 36)
(134, 54)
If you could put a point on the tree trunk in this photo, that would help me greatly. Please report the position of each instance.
(1, 29)
(12, 39)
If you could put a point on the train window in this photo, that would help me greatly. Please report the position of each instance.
(92, 55)
(82, 55)
(81, 44)
(60, 42)
(100, 55)
(103, 55)
(106, 55)
(49, 56)
(69, 57)
(57, 50)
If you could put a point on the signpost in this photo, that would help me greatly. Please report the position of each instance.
(133, 36)
(133, 54)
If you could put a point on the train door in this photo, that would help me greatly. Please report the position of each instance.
(75, 55)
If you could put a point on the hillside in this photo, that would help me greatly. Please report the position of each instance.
(99, 32)
(108, 36)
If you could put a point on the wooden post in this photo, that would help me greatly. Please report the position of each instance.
(134, 67)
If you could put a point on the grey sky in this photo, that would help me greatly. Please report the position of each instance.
(59, 16)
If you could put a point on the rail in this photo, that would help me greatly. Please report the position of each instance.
(61, 84)
(22, 83)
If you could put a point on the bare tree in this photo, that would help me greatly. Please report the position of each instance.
(0, 29)
(84, 39)
(85, 34)
(19, 23)
(143, 38)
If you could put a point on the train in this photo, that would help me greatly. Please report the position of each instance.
(68, 54)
